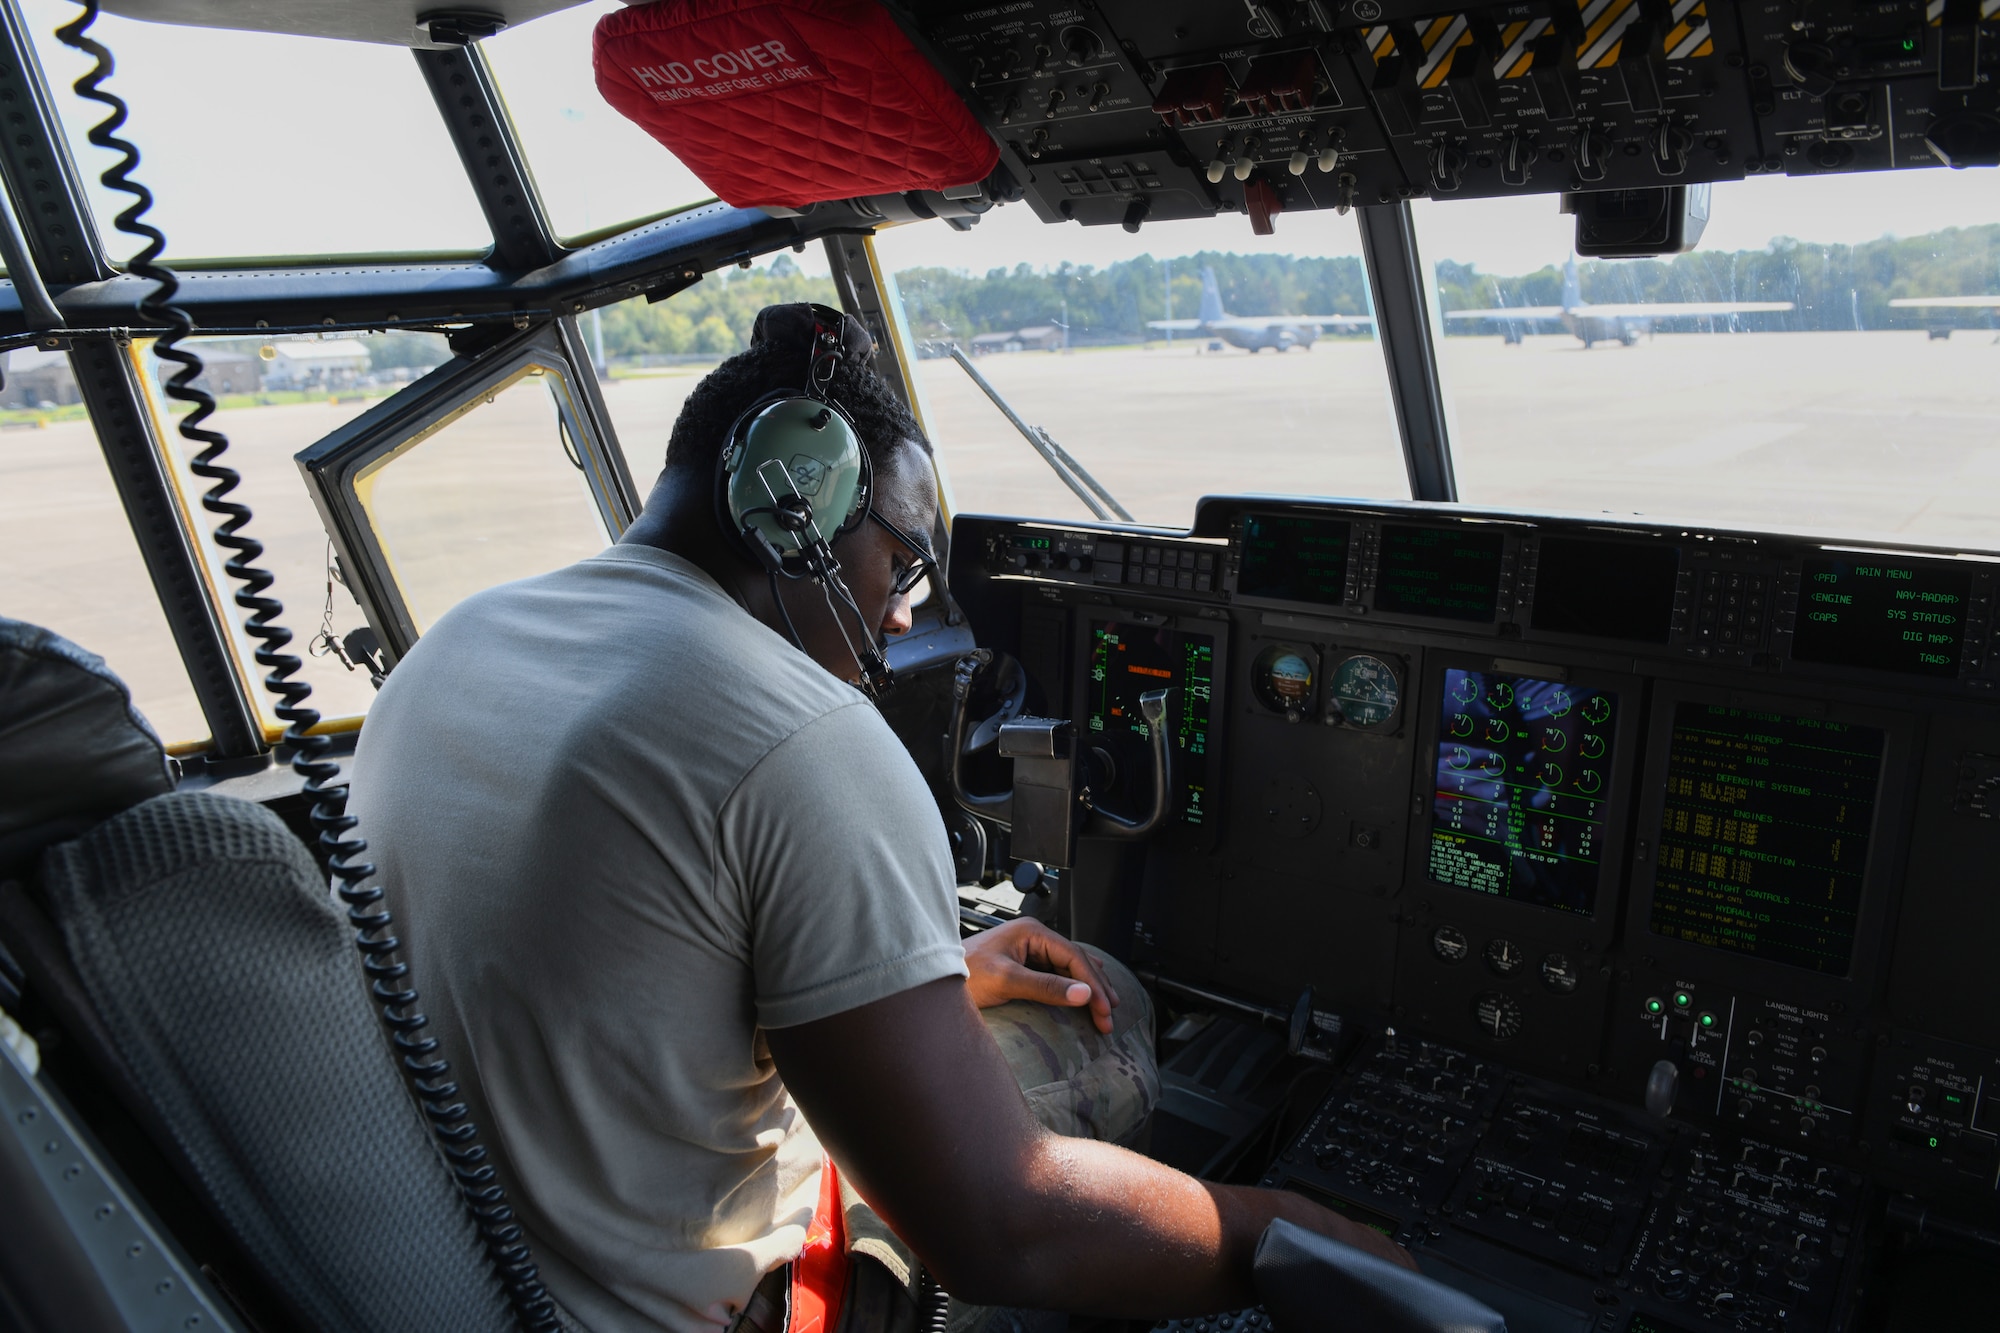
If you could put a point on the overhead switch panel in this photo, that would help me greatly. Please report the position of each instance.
(1265, 109)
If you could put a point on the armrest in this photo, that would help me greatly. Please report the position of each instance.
(1312, 1284)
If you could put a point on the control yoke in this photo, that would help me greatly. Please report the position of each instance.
(1052, 801)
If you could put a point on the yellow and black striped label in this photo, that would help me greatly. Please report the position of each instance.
(1382, 44)
(1442, 37)
(1517, 43)
(1689, 38)
(1604, 25)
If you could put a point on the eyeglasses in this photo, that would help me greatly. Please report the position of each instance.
(918, 569)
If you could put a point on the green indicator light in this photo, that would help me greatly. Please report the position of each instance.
(1654, 1006)
(1707, 1020)
(1934, 1142)
(1909, 44)
(1682, 999)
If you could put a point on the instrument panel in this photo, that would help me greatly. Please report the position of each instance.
(1652, 816)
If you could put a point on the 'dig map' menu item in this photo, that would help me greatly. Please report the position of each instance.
(1523, 767)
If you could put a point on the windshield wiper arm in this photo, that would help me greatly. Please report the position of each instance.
(1087, 488)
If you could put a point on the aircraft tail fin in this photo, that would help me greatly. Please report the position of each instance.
(1211, 297)
(1572, 286)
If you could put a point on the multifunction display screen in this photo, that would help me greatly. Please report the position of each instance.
(1523, 768)
(1451, 573)
(1608, 590)
(1764, 837)
(1885, 614)
(1296, 559)
(1127, 660)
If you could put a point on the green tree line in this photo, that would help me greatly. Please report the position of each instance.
(711, 318)
(1831, 287)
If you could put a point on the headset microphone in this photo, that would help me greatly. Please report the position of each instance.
(792, 469)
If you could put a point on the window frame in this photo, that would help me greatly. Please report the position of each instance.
(337, 468)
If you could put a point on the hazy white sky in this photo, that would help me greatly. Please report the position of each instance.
(259, 144)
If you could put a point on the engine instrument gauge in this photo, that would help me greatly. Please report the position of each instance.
(1498, 1016)
(1504, 957)
(1364, 692)
(1559, 973)
(1282, 679)
(1450, 944)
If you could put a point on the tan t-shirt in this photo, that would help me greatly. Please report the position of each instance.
(624, 827)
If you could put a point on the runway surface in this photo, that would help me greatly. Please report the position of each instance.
(1849, 435)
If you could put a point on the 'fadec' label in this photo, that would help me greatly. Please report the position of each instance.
(732, 55)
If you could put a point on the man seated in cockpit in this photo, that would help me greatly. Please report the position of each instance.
(672, 889)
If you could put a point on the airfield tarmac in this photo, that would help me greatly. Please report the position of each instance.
(1887, 434)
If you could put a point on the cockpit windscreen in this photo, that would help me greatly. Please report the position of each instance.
(1518, 809)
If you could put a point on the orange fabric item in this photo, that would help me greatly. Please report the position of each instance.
(789, 102)
(819, 1274)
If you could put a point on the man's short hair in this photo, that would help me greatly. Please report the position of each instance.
(728, 391)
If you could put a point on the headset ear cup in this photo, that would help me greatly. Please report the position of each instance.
(792, 464)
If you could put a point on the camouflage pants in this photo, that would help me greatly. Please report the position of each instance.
(1078, 1082)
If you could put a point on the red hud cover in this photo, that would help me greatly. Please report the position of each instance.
(789, 102)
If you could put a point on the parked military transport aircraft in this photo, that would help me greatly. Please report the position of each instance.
(1254, 333)
(1941, 331)
(1607, 323)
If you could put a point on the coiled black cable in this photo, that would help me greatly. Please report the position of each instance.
(423, 1063)
(935, 1314)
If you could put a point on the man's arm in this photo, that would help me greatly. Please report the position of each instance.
(917, 1107)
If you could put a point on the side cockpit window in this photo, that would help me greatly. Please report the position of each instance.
(488, 494)
(277, 395)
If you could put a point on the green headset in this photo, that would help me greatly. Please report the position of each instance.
(793, 476)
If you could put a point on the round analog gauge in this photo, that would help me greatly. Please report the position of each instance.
(1498, 1015)
(1504, 957)
(1282, 679)
(1365, 693)
(1450, 944)
(1559, 973)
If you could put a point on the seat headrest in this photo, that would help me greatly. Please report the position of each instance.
(73, 749)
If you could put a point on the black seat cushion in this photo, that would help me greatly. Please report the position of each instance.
(205, 938)
(73, 750)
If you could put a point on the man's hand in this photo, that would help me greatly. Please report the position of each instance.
(1025, 960)
(913, 1100)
